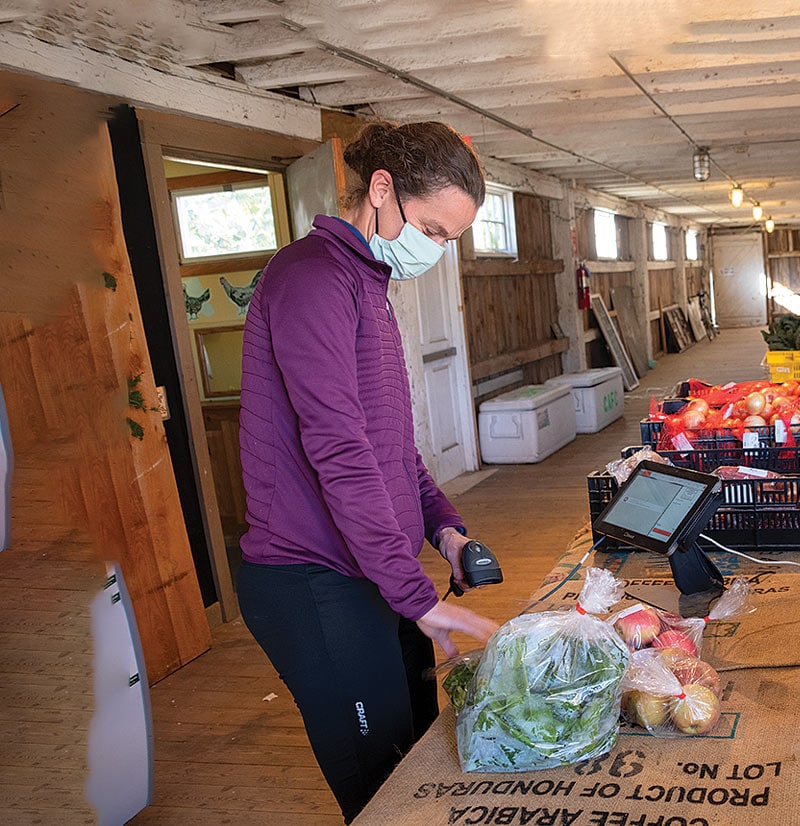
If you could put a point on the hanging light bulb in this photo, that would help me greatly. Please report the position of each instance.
(701, 163)
(769, 224)
(737, 196)
(758, 211)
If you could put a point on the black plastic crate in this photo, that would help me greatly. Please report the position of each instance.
(756, 514)
(718, 438)
(783, 460)
(711, 449)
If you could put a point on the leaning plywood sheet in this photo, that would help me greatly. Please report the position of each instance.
(626, 314)
(614, 342)
(678, 335)
(696, 320)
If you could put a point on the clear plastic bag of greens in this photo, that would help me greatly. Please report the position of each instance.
(459, 673)
(546, 692)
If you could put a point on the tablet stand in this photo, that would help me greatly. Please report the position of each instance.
(697, 580)
(694, 572)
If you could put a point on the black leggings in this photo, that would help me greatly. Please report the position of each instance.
(355, 668)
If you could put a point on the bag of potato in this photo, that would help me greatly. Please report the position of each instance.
(670, 693)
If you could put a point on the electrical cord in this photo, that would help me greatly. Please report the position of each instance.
(746, 556)
(563, 581)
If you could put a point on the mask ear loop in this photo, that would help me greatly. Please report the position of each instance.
(399, 205)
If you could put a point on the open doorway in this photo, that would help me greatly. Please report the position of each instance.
(228, 221)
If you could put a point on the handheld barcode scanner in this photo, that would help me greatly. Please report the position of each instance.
(480, 567)
(664, 509)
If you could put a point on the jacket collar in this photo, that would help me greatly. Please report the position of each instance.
(333, 227)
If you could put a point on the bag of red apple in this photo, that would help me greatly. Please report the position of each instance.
(670, 693)
(642, 626)
(736, 601)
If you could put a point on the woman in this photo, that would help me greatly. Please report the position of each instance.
(338, 499)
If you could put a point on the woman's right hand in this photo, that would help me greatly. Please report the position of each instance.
(442, 619)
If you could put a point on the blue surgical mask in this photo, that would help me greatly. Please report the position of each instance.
(410, 254)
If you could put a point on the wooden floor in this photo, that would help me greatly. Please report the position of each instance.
(46, 657)
(229, 744)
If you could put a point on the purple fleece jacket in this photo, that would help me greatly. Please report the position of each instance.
(330, 468)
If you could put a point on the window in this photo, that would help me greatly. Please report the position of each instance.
(660, 243)
(605, 233)
(224, 220)
(691, 245)
(493, 232)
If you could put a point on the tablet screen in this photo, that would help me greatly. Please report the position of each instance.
(657, 506)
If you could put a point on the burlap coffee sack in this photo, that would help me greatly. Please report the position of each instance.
(745, 772)
(766, 638)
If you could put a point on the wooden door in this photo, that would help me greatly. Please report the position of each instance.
(168, 136)
(739, 280)
(446, 370)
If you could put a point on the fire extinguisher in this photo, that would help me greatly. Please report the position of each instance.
(582, 275)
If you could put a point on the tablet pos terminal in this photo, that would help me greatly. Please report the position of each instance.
(663, 509)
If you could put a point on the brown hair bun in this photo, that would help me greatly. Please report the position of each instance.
(422, 158)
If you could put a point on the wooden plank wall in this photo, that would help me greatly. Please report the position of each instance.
(696, 279)
(786, 272)
(782, 248)
(511, 305)
(72, 341)
(663, 294)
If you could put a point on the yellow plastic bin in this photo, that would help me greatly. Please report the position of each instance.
(783, 365)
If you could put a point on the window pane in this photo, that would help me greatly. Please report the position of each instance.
(492, 208)
(660, 252)
(491, 231)
(605, 234)
(227, 222)
(691, 245)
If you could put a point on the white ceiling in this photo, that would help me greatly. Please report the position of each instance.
(611, 93)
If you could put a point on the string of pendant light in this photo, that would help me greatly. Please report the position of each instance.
(701, 168)
(701, 156)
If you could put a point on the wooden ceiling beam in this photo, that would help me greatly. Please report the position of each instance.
(229, 12)
(186, 91)
(260, 40)
(307, 69)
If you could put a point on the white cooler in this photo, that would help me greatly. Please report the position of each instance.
(526, 424)
(598, 396)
